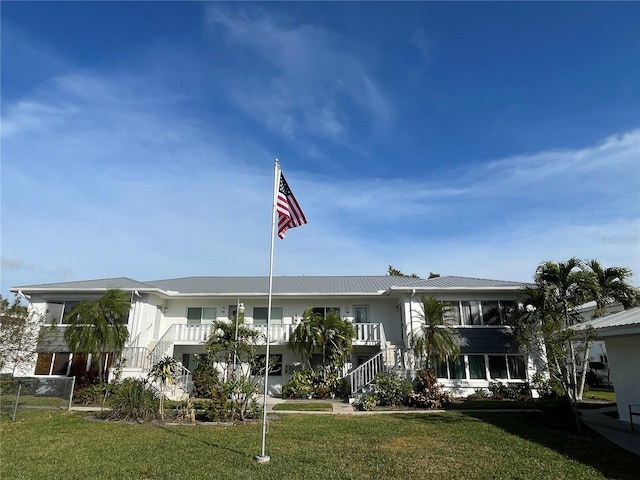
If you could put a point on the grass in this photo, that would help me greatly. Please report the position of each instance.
(453, 445)
(304, 406)
(600, 395)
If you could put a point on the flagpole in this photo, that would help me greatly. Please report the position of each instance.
(263, 457)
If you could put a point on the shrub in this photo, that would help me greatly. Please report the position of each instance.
(205, 376)
(93, 394)
(511, 391)
(547, 389)
(300, 385)
(428, 394)
(391, 388)
(133, 400)
(366, 403)
(479, 393)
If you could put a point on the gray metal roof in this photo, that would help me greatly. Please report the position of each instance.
(347, 285)
(626, 318)
(99, 284)
(463, 282)
(286, 285)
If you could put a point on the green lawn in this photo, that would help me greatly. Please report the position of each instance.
(304, 406)
(453, 445)
(600, 395)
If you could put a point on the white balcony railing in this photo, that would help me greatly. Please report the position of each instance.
(184, 334)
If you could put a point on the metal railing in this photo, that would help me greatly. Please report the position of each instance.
(363, 375)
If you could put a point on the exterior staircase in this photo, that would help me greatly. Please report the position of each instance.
(389, 358)
(138, 361)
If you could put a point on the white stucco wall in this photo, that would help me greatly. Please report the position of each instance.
(624, 358)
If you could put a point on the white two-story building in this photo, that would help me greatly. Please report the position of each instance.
(173, 317)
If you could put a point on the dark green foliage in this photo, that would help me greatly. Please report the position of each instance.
(547, 389)
(511, 391)
(391, 388)
(133, 399)
(428, 393)
(321, 382)
(99, 326)
(435, 339)
(330, 335)
(205, 376)
(366, 403)
(93, 394)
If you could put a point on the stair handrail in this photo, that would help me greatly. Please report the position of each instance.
(366, 373)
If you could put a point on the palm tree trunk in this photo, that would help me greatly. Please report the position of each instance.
(585, 365)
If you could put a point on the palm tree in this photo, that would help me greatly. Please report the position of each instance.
(435, 339)
(165, 370)
(562, 286)
(610, 285)
(566, 284)
(330, 334)
(99, 326)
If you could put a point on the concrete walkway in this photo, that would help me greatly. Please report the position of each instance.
(614, 430)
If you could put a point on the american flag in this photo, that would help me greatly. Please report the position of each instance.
(289, 212)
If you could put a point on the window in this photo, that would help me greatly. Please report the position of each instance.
(508, 311)
(441, 369)
(516, 367)
(451, 313)
(201, 315)
(53, 363)
(361, 314)
(477, 369)
(275, 365)
(497, 366)
(490, 313)
(323, 311)
(501, 367)
(457, 369)
(260, 315)
(471, 313)
(43, 363)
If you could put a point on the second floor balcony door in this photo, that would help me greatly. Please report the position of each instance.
(361, 314)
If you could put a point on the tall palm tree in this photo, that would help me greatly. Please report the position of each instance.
(568, 284)
(435, 339)
(610, 285)
(330, 334)
(99, 326)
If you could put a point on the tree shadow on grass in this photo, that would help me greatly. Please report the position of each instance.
(590, 448)
(205, 442)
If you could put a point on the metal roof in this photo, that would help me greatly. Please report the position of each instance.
(284, 285)
(347, 285)
(99, 284)
(463, 282)
(615, 321)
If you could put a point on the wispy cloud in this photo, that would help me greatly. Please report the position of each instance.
(104, 175)
(303, 71)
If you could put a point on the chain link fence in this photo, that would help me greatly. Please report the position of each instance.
(35, 392)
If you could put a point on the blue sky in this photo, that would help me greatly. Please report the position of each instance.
(472, 139)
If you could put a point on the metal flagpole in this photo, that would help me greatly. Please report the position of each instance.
(263, 458)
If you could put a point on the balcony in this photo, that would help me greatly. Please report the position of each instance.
(183, 334)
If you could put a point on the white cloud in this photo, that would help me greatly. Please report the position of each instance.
(103, 176)
(303, 69)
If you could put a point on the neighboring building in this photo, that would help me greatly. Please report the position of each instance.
(173, 317)
(598, 360)
(621, 332)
